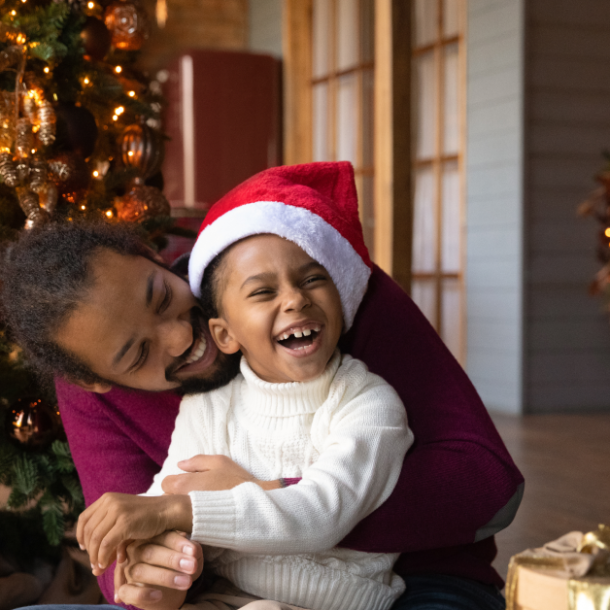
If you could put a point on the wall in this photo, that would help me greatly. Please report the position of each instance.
(195, 24)
(265, 26)
(567, 127)
(494, 217)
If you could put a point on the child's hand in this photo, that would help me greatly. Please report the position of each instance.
(116, 518)
(210, 473)
(157, 573)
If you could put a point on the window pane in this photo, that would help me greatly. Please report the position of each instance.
(347, 118)
(425, 108)
(320, 122)
(367, 29)
(364, 183)
(452, 221)
(424, 222)
(321, 37)
(426, 19)
(451, 135)
(367, 117)
(347, 33)
(451, 18)
(451, 320)
(423, 292)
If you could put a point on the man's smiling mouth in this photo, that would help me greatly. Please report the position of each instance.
(198, 348)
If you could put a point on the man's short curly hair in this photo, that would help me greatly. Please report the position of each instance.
(44, 276)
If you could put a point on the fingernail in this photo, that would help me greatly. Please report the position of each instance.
(116, 599)
(154, 595)
(187, 564)
(92, 567)
(100, 566)
(82, 547)
(182, 581)
(188, 549)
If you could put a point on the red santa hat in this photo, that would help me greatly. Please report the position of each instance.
(313, 205)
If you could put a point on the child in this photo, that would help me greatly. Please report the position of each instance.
(283, 268)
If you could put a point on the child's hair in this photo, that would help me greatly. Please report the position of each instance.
(44, 276)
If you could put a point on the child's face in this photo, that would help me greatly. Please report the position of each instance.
(270, 292)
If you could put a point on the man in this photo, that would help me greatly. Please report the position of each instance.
(142, 330)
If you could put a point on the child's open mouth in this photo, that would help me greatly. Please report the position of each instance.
(299, 338)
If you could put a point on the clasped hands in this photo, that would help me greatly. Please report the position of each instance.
(155, 563)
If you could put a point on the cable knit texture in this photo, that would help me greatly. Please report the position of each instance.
(345, 433)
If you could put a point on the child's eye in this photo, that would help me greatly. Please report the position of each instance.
(314, 279)
(261, 292)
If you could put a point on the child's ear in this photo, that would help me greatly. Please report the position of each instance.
(221, 333)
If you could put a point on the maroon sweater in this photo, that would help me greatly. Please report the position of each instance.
(458, 485)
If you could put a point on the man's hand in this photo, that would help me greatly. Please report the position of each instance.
(157, 573)
(117, 518)
(211, 473)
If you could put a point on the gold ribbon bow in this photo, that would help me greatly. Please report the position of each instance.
(573, 557)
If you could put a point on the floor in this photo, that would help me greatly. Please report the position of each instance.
(565, 460)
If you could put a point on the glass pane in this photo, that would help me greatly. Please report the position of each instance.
(426, 20)
(451, 18)
(451, 94)
(451, 317)
(367, 117)
(452, 219)
(321, 37)
(423, 292)
(347, 33)
(425, 108)
(320, 122)
(424, 222)
(347, 118)
(367, 29)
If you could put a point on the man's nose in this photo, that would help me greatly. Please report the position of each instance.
(176, 336)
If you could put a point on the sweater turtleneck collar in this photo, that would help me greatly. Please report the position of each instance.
(287, 399)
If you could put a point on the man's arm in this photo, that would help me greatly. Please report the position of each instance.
(458, 484)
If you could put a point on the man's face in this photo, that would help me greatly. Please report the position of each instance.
(139, 326)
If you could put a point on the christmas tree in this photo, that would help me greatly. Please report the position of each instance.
(79, 139)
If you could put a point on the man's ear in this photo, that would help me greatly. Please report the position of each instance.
(100, 387)
(221, 333)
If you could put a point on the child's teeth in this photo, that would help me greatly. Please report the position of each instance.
(298, 334)
(306, 333)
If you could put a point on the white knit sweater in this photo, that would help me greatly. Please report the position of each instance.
(345, 433)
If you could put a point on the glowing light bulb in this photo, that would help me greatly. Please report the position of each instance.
(46, 70)
(33, 151)
(13, 13)
(132, 94)
(118, 69)
(86, 80)
(115, 117)
(95, 173)
(82, 207)
(90, 4)
(607, 232)
(119, 110)
(130, 153)
(21, 39)
(109, 213)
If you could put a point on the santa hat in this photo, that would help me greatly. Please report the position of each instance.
(313, 205)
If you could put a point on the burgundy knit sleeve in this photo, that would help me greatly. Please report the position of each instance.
(118, 442)
(458, 476)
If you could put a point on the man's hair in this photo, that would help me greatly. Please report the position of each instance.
(44, 276)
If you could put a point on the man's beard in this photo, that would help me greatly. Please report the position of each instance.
(226, 368)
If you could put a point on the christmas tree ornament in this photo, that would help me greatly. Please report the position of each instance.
(140, 203)
(76, 129)
(142, 149)
(38, 175)
(8, 170)
(70, 172)
(96, 38)
(30, 109)
(23, 170)
(127, 24)
(47, 121)
(33, 422)
(48, 196)
(30, 204)
(24, 138)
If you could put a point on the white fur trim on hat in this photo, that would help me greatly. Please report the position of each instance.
(306, 229)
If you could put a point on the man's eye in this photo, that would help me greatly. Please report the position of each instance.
(167, 299)
(141, 359)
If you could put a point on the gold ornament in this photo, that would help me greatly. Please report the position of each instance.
(38, 175)
(142, 148)
(48, 121)
(23, 170)
(28, 200)
(70, 172)
(29, 107)
(36, 219)
(8, 170)
(48, 197)
(140, 203)
(127, 24)
(24, 141)
(7, 126)
(33, 422)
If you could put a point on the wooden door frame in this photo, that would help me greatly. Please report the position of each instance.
(392, 139)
